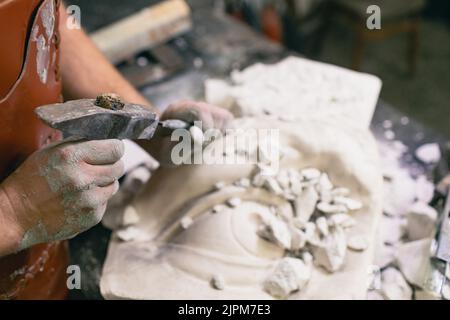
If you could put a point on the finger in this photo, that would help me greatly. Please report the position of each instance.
(100, 152)
(104, 175)
(97, 196)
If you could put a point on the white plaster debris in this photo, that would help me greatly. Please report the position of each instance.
(196, 135)
(324, 183)
(310, 174)
(413, 260)
(295, 181)
(351, 204)
(421, 220)
(186, 222)
(276, 231)
(330, 208)
(357, 243)
(394, 285)
(385, 255)
(234, 202)
(314, 229)
(331, 251)
(305, 204)
(298, 239)
(401, 190)
(340, 192)
(132, 233)
(130, 216)
(392, 229)
(218, 282)
(429, 153)
(389, 135)
(446, 291)
(219, 185)
(272, 185)
(387, 124)
(244, 183)
(283, 180)
(322, 226)
(290, 275)
(342, 220)
(295, 86)
(218, 208)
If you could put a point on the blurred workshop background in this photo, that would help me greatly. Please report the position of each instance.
(411, 52)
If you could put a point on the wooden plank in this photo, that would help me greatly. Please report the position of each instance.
(148, 28)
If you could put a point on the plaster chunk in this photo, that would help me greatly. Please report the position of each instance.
(234, 202)
(218, 208)
(130, 216)
(310, 174)
(385, 255)
(392, 229)
(219, 185)
(290, 275)
(324, 183)
(342, 220)
(429, 153)
(394, 285)
(421, 221)
(283, 180)
(446, 291)
(330, 253)
(218, 282)
(298, 239)
(340, 192)
(349, 203)
(276, 231)
(413, 260)
(272, 185)
(258, 180)
(295, 181)
(329, 208)
(132, 233)
(305, 204)
(186, 222)
(322, 226)
(357, 243)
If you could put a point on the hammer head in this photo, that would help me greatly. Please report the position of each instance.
(83, 119)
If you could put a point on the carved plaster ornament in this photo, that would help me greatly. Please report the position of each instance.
(241, 237)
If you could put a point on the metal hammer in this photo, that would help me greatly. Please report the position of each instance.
(104, 118)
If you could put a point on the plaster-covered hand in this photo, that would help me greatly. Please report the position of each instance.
(210, 116)
(191, 111)
(61, 190)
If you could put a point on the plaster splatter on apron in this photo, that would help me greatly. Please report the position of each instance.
(43, 43)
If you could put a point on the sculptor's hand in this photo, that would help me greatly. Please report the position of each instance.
(59, 191)
(210, 117)
(191, 111)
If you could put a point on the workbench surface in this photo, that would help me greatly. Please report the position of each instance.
(217, 45)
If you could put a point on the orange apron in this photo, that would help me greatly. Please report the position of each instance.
(29, 77)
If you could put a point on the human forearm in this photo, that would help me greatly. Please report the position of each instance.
(85, 70)
(9, 230)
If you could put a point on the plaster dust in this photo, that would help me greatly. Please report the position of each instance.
(295, 86)
(223, 238)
